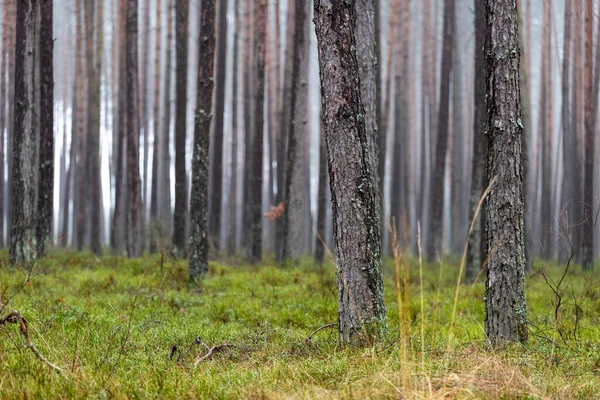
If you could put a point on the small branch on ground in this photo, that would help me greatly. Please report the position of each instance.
(332, 325)
(15, 317)
(211, 352)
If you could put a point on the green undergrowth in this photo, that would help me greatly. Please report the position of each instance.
(124, 329)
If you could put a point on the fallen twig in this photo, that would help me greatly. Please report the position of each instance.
(332, 325)
(211, 352)
(15, 317)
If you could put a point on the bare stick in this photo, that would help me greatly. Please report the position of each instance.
(332, 325)
(211, 353)
(15, 317)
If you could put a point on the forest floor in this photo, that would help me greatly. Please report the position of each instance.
(123, 328)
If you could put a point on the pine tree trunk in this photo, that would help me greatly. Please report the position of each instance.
(256, 152)
(133, 237)
(567, 138)
(233, 187)
(576, 133)
(293, 216)
(214, 216)
(321, 200)
(156, 148)
(45, 201)
(144, 98)
(476, 250)
(199, 237)
(180, 213)
(23, 238)
(506, 315)
(436, 205)
(589, 211)
(361, 312)
(10, 27)
(117, 235)
(164, 180)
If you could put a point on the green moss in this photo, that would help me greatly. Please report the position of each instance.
(133, 328)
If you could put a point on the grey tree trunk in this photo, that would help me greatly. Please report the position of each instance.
(180, 213)
(156, 148)
(198, 252)
(476, 250)
(294, 201)
(436, 205)
(506, 313)
(133, 237)
(23, 238)
(233, 188)
(361, 312)
(256, 152)
(45, 201)
(214, 215)
(321, 201)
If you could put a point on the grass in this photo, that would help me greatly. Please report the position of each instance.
(133, 329)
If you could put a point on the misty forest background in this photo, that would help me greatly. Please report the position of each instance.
(416, 127)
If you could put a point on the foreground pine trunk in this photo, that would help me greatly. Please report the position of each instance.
(199, 197)
(361, 311)
(22, 247)
(505, 307)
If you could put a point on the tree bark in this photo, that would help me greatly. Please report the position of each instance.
(256, 160)
(506, 314)
(361, 312)
(199, 236)
(293, 216)
(476, 250)
(164, 179)
(156, 146)
(133, 238)
(23, 238)
(233, 187)
(321, 200)
(45, 200)
(436, 205)
(214, 216)
(179, 216)
(589, 210)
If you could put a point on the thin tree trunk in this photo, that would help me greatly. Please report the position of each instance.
(506, 314)
(200, 162)
(361, 312)
(233, 188)
(567, 138)
(436, 205)
(164, 180)
(256, 162)
(133, 238)
(576, 124)
(589, 211)
(294, 201)
(156, 148)
(180, 214)
(23, 238)
(117, 236)
(214, 216)
(476, 251)
(10, 100)
(45, 201)
(321, 200)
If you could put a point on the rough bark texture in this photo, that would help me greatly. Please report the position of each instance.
(179, 215)
(361, 312)
(256, 152)
(23, 238)
(295, 185)
(436, 205)
(476, 250)
(214, 216)
(198, 257)
(45, 199)
(506, 315)
(134, 248)
(589, 209)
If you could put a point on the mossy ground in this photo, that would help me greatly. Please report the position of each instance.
(133, 329)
